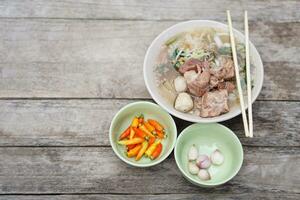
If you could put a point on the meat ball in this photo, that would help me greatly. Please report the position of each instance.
(180, 84)
(184, 102)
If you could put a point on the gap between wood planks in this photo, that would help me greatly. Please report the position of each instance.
(109, 193)
(117, 98)
(109, 19)
(108, 146)
(139, 19)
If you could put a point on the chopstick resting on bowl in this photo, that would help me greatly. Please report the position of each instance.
(248, 75)
(237, 74)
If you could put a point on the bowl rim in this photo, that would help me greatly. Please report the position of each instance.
(154, 162)
(185, 131)
(219, 118)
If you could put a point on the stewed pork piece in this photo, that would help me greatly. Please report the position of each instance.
(191, 64)
(214, 103)
(198, 82)
(229, 86)
(225, 70)
(214, 81)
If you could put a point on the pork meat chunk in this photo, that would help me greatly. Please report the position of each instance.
(197, 83)
(193, 64)
(225, 70)
(229, 86)
(214, 81)
(214, 103)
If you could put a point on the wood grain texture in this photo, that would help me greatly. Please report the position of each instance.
(272, 10)
(59, 149)
(265, 196)
(84, 58)
(98, 170)
(86, 123)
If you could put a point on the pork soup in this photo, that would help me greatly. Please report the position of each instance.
(195, 72)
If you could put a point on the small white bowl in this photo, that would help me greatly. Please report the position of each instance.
(154, 49)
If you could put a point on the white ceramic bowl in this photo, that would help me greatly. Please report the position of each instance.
(153, 51)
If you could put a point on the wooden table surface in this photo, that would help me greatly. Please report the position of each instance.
(67, 66)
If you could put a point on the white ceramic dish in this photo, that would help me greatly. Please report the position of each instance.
(153, 51)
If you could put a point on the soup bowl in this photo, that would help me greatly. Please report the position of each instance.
(152, 54)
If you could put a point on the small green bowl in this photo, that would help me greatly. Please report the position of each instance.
(150, 110)
(207, 138)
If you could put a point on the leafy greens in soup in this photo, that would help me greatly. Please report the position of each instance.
(195, 72)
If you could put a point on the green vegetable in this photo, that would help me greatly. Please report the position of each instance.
(177, 60)
(242, 63)
(225, 50)
(175, 52)
(179, 57)
(240, 48)
(243, 80)
(176, 65)
(199, 54)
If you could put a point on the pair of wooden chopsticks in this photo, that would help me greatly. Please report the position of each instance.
(248, 130)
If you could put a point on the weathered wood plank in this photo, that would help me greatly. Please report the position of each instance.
(86, 122)
(84, 58)
(265, 196)
(98, 170)
(274, 10)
